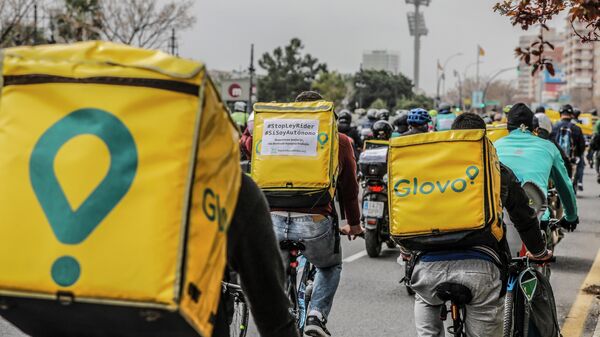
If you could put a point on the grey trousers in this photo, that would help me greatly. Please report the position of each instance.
(484, 313)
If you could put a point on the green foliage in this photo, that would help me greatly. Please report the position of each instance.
(378, 104)
(289, 72)
(417, 101)
(370, 85)
(77, 20)
(331, 86)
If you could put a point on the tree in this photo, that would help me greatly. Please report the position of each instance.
(370, 85)
(144, 23)
(14, 28)
(289, 72)
(417, 101)
(527, 13)
(331, 86)
(378, 104)
(76, 20)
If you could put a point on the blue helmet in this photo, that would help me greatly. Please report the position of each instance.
(418, 116)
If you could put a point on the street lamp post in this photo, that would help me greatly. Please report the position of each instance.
(487, 85)
(444, 69)
(417, 28)
(460, 100)
(360, 86)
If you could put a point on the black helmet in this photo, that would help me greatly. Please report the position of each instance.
(540, 109)
(382, 130)
(401, 124)
(372, 114)
(566, 109)
(444, 108)
(383, 114)
(576, 112)
(345, 117)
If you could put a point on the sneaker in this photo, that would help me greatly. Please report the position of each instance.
(315, 327)
(580, 186)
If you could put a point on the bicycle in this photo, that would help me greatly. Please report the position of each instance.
(299, 290)
(238, 313)
(516, 320)
(459, 296)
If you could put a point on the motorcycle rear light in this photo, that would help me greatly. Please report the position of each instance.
(294, 264)
(376, 188)
(372, 221)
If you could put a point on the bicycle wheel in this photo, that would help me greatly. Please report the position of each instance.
(241, 315)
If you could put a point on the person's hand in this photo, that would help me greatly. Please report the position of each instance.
(546, 257)
(570, 226)
(352, 231)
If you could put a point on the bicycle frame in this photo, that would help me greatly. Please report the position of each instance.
(298, 293)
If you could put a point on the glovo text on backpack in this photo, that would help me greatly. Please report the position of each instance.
(445, 190)
(295, 153)
(116, 188)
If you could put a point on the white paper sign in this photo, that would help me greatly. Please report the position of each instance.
(290, 137)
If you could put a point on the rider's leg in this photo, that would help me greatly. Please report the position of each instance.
(427, 319)
(579, 172)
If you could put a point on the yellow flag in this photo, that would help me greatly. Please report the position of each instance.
(481, 51)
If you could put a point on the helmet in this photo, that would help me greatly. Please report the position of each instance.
(433, 112)
(345, 117)
(239, 106)
(444, 108)
(372, 114)
(507, 108)
(360, 111)
(543, 122)
(382, 130)
(540, 109)
(418, 116)
(383, 114)
(250, 123)
(594, 112)
(401, 123)
(566, 109)
(576, 112)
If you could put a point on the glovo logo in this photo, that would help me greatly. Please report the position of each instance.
(405, 187)
(211, 206)
(73, 226)
(323, 138)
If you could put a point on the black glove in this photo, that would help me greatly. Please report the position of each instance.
(570, 226)
(574, 160)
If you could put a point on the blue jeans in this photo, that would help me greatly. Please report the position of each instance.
(318, 236)
(579, 171)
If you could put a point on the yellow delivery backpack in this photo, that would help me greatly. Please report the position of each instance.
(495, 132)
(295, 157)
(445, 190)
(120, 172)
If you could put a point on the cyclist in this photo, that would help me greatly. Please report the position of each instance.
(536, 160)
(595, 148)
(444, 118)
(383, 115)
(239, 115)
(400, 125)
(542, 126)
(482, 268)
(345, 127)
(382, 130)
(262, 283)
(418, 120)
(570, 137)
(315, 227)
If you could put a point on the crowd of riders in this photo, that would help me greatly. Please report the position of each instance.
(559, 152)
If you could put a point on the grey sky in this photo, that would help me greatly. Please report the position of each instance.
(338, 31)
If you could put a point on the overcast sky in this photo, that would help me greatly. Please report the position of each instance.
(338, 31)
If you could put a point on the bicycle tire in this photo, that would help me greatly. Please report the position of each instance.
(241, 316)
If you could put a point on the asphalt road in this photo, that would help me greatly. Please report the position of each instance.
(371, 302)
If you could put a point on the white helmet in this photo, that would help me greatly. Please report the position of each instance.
(544, 121)
(250, 123)
(239, 106)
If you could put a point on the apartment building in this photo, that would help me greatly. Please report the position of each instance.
(579, 60)
(381, 60)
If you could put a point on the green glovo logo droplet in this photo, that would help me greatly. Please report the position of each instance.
(73, 226)
(323, 138)
(472, 173)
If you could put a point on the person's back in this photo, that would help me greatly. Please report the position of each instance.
(536, 160)
(444, 118)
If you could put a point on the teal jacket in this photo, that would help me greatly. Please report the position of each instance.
(534, 159)
(444, 121)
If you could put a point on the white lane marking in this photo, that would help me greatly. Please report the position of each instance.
(355, 257)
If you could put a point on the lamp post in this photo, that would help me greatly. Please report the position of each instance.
(360, 86)
(460, 100)
(487, 85)
(417, 28)
(444, 69)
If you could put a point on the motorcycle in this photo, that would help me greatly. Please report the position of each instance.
(375, 215)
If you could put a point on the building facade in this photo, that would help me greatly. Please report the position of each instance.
(381, 60)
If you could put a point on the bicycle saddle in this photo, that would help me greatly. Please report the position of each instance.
(454, 292)
(290, 244)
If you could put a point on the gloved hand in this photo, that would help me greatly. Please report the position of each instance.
(569, 225)
(574, 160)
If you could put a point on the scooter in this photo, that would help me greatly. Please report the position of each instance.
(375, 215)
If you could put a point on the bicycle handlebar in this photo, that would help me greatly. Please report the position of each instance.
(522, 259)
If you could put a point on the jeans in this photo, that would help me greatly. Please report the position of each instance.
(318, 236)
(484, 313)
